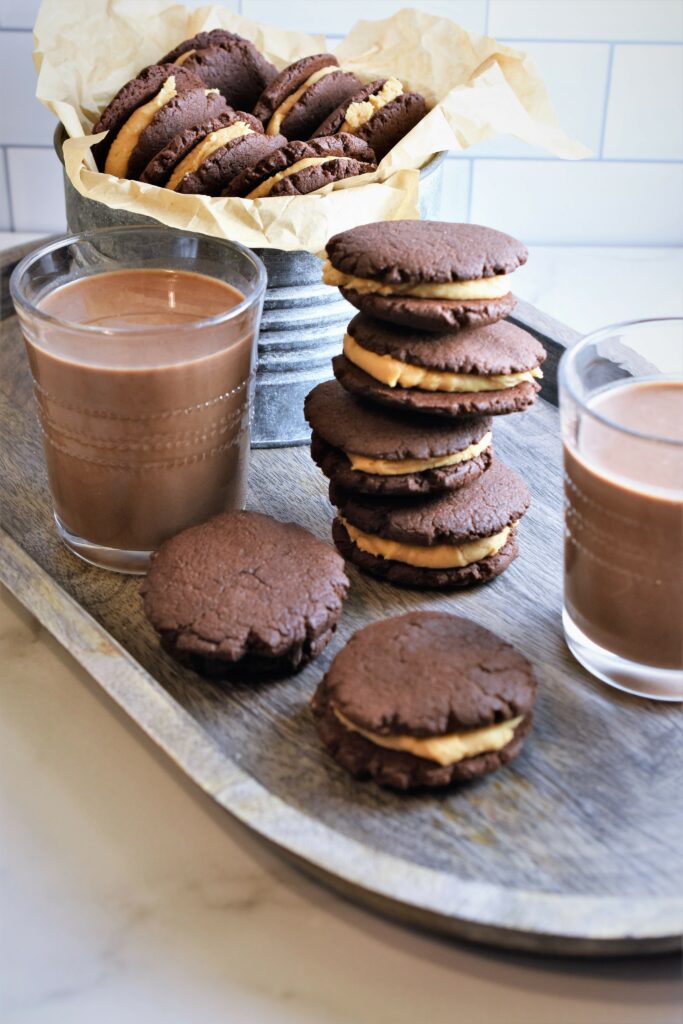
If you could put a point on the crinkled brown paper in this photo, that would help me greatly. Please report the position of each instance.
(85, 50)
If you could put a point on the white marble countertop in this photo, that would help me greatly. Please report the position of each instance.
(126, 895)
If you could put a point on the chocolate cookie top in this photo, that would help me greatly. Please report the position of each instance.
(243, 583)
(216, 37)
(295, 106)
(498, 498)
(216, 173)
(414, 251)
(335, 120)
(315, 102)
(188, 108)
(135, 94)
(353, 150)
(392, 122)
(311, 179)
(364, 429)
(469, 677)
(227, 62)
(386, 126)
(161, 166)
(499, 348)
(289, 80)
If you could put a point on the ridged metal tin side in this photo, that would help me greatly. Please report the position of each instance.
(303, 319)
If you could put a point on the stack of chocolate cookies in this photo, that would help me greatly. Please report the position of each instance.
(405, 431)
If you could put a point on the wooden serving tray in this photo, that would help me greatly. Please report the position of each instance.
(573, 849)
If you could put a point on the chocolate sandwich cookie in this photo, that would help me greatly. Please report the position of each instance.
(380, 113)
(302, 167)
(179, 100)
(425, 274)
(162, 165)
(302, 96)
(454, 539)
(209, 156)
(142, 96)
(362, 447)
(488, 370)
(227, 62)
(469, 715)
(244, 591)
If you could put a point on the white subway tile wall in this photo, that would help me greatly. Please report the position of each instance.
(5, 218)
(614, 70)
(591, 202)
(35, 189)
(644, 113)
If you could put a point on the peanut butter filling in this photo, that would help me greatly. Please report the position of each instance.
(483, 288)
(397, 467)
(204, 149)
(359, 113)
(184, 56)
(280, 113)
(264, 189)
(129, 134)
(447, 749)
(393, 373)
(435, 556)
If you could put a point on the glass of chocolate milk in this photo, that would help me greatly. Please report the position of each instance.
(142, 347)
(621, 404)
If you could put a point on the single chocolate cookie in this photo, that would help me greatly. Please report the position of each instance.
(454, 539)
(364, 448)
(302, 96)
(380, 113)
(487, 370)
(244, 591)
(228, 162)
(468, 716)
(302, 167)
(209, 159)
(136, 94)
(227, 62)
(183, 111)
(425, 274)
(162, 165)
(192, 159)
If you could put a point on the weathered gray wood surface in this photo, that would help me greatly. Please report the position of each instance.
(575, 848)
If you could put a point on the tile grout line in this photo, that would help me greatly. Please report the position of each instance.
(605, 106)
(608, 161)
(512, 158)
(520, 40)
(8, 189)
(653, 161)
(584, 42)
(502, 39)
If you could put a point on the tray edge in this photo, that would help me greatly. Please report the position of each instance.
(276, 822)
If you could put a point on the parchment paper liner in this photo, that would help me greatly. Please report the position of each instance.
(87, 49)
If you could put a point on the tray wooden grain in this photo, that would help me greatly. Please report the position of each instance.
(573, 849)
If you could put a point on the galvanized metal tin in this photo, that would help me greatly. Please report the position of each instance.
(303, 319)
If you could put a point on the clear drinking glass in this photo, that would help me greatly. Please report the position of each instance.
(142, 346)
(621, 405)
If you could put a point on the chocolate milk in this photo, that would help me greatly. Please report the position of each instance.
(624, 525)
(146, 434)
